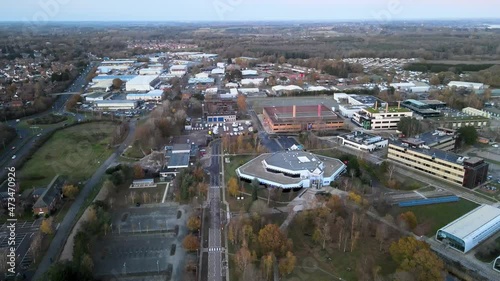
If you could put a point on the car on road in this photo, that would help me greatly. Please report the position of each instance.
(495, 145)
(13, 157)
(38, 135)
(13, 147)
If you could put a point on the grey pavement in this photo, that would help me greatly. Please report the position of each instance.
(213, 201)
(69, 220)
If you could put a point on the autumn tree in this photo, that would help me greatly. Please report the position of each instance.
(46, 226)
(287, 264)
(242, 103)
(138, 172)
(73, 101)
(232, 187)
(243, 258)
(416, 257)
(70, 191)
(117, 83)
(409, 219)
(272, 239)
(267, 265)
(194, 223)
(191, 243)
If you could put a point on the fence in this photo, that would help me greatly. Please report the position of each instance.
(420, 202)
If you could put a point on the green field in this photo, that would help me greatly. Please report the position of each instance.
(438, 215)
(236, 161)
(74, 152)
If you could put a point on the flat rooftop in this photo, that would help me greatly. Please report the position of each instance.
(294, 161)
(472, 221)
(433, 102)
(255, 167)
(412, 144)
(459, 118)
(391, 109)
(115, 102)
(366, 100)
(361, 138)
(302, 113)
(436, 136)
(178, 160)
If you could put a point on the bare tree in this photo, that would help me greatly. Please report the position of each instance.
(381, 234)
(132, 195)
(390, 171)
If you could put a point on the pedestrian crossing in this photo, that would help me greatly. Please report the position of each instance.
(215, 249)
(215, 187)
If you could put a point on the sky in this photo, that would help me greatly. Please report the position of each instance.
(243, 10)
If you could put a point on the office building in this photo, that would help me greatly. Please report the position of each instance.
(292, 119)
(380, 118)
(220, 110)
(420, 108)
(363, 141)
(464, 171)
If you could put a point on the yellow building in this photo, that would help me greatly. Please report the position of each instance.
(464, 171)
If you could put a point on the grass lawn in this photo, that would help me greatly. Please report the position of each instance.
(61, 213)
(438, 215)
(75, 152)
(236, 161)
(135, 151)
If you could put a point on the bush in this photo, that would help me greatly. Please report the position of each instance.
(49, 119)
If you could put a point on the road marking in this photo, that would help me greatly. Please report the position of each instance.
(165, 194)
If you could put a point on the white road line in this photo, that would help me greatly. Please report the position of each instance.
(165, 194)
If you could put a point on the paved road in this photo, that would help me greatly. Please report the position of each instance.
(67, 224)
(213, 201)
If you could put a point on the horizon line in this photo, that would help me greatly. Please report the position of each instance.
(260, 20)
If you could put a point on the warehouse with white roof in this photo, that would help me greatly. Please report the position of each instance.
(142, 83)
(468, 231)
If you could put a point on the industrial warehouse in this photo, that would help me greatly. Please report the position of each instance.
(292, 169)
(292, 119)
(470, 230)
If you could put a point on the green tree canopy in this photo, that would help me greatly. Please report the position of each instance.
(468, 135)
(409, 126)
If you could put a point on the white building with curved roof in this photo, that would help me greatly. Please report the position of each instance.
(468, 231)
(292, 169)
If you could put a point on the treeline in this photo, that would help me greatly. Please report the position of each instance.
(7, 134)
(98, 223)
(455, 68)
(166, 120)
(39, 105)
